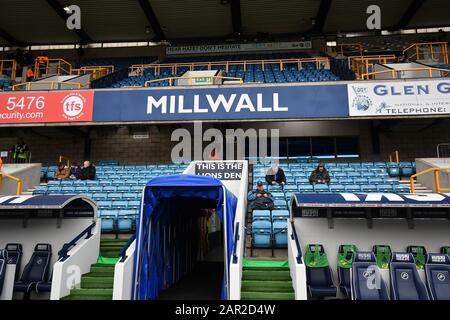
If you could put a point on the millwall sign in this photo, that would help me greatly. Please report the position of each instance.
(220, 103)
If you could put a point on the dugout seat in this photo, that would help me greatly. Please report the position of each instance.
(3, 264)
(318, 274)
(437, 273)
(15, 256)
(345, 261)
(366, 280)
(405, 281)
(36, 270)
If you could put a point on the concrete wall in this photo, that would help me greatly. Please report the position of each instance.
(30, 175)
(428, 179)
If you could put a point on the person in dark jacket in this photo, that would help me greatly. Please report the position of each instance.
(75, 171)
(88, 171)
(319, 175)
(275, 175)
(260, 199)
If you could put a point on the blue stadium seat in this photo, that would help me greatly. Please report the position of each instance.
(278, 195)
(119, 204)
(437, 273)
(369, 188)
(114, 196)
(353, 188)
(125, 221)
(305, 188)
(280, 204)
(280, 215)
(134, 204)
(363, 269)
(109, 218)
(279, 230)
(261, 215)
(104, 204)
(321, 188)
(336, 188)
(385, 188)
(405, 280)
(261, 234)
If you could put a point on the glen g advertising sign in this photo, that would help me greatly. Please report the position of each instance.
(40, 107)
(399, 98)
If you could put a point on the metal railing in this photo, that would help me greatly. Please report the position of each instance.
(364, 64)
(62, 158)
(139, 68)
(123, 252)
(191, 78)
(437, 51)
(436, 179)
(64, 252)
(394, 157)
(95, 71)
(297, 244)
(395, 73)
(18, 180)
(53, 85)
(8, 65)
(236, 239)
(61, 66)
(441, 152)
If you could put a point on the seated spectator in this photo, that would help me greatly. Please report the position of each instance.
(260, 199)
(275, 175)
(319, 175)
(88, 171)
(75, 171)
(62, 172)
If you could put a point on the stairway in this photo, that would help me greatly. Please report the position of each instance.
(418, 188)
(98, 283)
(267, 280)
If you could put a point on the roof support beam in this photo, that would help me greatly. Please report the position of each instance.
(59, 9)
(13, 41)
(410, 12)
(236, 17)
(322, 15)
(152, 19)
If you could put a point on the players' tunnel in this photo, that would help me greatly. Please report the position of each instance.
(174, 247)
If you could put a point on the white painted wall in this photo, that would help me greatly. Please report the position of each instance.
(123, 276)
(297, 270)
(67, 274)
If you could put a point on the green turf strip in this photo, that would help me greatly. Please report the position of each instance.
(265, 263)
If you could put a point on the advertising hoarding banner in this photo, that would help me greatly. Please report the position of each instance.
(41, 107)
(403, 98)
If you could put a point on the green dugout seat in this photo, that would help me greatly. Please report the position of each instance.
(318, 274)
(345, 262)
(383, 254)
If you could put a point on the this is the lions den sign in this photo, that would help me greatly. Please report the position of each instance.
(399, 98)
(220, 170)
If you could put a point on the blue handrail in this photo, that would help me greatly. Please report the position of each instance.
(236, 239)
(64, 252)
(123, 251)
(297, 244)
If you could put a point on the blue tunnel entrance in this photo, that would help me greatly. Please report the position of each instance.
(176, 257)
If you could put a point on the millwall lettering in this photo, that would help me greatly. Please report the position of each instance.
(233, 103)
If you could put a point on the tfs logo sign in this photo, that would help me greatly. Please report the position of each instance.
(73, 106)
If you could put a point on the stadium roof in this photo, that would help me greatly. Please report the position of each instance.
(43, 22)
